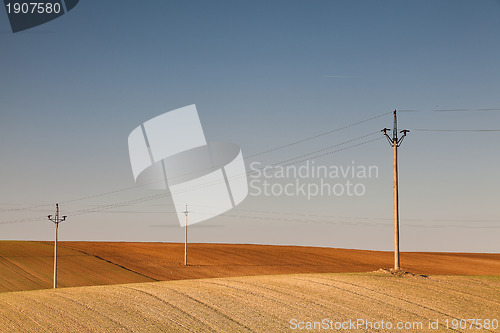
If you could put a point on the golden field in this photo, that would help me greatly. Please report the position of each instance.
(254, 304)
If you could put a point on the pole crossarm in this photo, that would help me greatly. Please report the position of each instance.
(56, 219)
(387, 136)
(404, 135)
(395, 140)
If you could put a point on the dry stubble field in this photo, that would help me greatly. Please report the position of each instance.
(254, 304)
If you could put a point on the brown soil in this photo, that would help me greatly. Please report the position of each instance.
(29, 266)
(164, 261)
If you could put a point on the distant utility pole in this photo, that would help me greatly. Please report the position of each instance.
(395, 143)
(56, 221)
(186, 236)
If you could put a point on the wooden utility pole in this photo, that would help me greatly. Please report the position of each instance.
(56, 221)
(395, 143)
(185, 236)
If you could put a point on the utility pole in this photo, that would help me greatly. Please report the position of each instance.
(395, 143)
(185, 236)
(56, 221)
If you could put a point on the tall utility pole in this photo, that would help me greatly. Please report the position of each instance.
(56, 221)
(395, 143)
(186, 236)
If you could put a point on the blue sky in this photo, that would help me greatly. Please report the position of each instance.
(262, 74)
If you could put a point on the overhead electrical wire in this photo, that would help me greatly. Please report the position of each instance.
(295, 160)
(450, 110)
(316, 218)
(328, 222)
(245, 158)
(453, 130)
(163, 195)
(303, 220)
(318, 135)
(292, 161)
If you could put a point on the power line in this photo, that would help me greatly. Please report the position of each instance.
(318, 135)
(454, 130)
(329, 153)
(307, 217)
(330, 222)
(315, 219)
(23, 220)
(164, 195)
(245, 158)
(271, 150)
(450, 110)
(329, 147)
(304, 155)
(248, 173)
(291, 161)
(69, 201)
(261, 215)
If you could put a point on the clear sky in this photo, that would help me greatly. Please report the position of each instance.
(262, 74)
